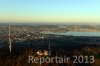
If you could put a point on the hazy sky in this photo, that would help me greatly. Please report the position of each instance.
(50, 11)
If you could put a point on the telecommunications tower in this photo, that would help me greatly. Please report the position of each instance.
(9, 39)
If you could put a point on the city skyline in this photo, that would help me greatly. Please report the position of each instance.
(46, 11)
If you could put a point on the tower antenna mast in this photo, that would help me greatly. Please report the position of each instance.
(9, 39)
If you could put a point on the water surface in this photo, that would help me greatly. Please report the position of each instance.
(76, 33)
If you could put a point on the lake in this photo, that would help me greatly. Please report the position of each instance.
(75, 33)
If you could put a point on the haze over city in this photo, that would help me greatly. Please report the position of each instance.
(50, 11)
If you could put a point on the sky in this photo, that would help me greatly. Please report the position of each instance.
(54, 11)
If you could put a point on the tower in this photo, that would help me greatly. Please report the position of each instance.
(9, 39)
(49, 49)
